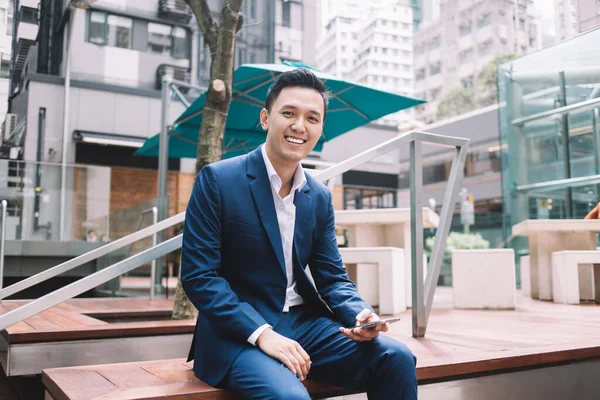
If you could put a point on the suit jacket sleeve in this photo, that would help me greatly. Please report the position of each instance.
(330, 276)
(210, 293)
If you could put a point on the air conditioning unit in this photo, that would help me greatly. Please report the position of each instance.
(177, 10)
(8, 126)
(177, 73)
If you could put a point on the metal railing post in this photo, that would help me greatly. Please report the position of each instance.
(2, 239)
(419, 322)
(154, 243)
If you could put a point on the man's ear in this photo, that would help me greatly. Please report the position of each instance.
(264, 118)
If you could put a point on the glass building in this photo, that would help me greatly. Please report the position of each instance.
(549, 133)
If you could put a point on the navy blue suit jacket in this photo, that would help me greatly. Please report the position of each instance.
(233, 266)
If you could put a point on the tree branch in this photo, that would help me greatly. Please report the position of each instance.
(206, 22)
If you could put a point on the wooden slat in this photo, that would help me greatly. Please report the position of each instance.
(106, 331)
(67, 384)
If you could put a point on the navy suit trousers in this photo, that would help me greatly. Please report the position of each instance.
(383, 367)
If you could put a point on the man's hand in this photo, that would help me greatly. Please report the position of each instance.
(288, 351)
(365, 335)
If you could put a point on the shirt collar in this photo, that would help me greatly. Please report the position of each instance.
(298, 181)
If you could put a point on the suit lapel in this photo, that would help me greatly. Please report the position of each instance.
(263, 199)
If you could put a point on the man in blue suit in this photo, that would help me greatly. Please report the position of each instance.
(254, 224)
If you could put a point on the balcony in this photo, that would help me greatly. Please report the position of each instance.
(177, 73)
(27, 31)
(175, 10)
(26, 36)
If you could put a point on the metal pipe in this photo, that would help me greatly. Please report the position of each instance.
(163, 163)
(559, 184)
(566, 144)
(557, 112)
(2, 241)
(153, 265)
(187, 85)
(65, 133)
(180, 95)
(416, 243)
(38, 167)
(596, 138)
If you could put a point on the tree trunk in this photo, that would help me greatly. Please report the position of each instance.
(221, 42)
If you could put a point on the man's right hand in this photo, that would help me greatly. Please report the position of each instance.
(288, 351)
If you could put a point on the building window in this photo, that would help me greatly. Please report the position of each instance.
(434, 43)
(159, 38)
(467, 82)
(97, 28)
(119, 31)
(253, 9)
(465, 29)
(286, 19)
(420, 75)
(465, 55)
(28, 15)
(485, 47)
(180, 43)
(356, 198)
(3, 15)
(435, 68)
(434, 173)
(484, 20)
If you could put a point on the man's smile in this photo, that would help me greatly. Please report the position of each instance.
(294, 140)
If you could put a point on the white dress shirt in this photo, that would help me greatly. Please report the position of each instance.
(286, 218)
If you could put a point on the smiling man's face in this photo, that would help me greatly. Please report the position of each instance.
(294, 125)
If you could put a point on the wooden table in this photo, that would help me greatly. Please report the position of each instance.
(383, 227)
(547, 236)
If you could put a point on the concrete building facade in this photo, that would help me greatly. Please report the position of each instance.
(119, 51)
(371, 43)
(588, 13)
(566, 18)
(451, 50)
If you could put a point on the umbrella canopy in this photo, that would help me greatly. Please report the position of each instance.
(351, 105)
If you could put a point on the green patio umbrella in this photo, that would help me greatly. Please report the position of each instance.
(351, 105)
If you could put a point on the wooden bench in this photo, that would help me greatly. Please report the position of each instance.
(574, 276)
(166, 379)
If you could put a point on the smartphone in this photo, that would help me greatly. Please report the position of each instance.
(372, 324)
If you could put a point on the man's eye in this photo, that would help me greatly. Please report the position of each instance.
(314, 119)
(287, 113)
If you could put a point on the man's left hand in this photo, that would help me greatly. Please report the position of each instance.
(365, 335)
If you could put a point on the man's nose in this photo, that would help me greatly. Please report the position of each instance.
(298, 125)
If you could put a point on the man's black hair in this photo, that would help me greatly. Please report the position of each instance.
(299, 77)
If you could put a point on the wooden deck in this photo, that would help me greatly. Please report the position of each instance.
(81, 319)
(458, 343)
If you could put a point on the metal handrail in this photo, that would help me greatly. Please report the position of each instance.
(90, 256)
(89, 282)
(422, 296)
(2, 240)
(154, 211)
(557, 112)
(559, 184)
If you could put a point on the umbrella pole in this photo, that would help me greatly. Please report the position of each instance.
(163, 163)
